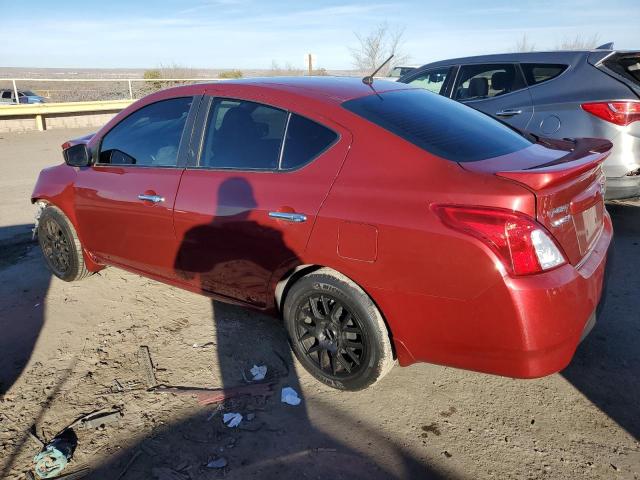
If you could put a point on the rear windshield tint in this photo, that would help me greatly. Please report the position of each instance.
(438, 125)
(627, 65)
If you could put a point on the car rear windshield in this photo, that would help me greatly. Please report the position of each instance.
(625, 64)
(438, 125)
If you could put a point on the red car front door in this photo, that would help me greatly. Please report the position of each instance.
(247, 209)
(124, 203)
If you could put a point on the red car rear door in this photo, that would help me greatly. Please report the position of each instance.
(247, 208)
(124, 202)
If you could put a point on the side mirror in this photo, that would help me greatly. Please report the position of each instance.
(77, 156)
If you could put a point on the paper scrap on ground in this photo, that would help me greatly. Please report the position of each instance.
(219, 462)
(232, 420)
(258, 372)
(290, 396)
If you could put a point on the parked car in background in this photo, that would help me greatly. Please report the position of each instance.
(562, 94)
(382, 222)
(24, 96)
(399, 71)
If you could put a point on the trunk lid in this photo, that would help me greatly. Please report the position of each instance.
(567, 180)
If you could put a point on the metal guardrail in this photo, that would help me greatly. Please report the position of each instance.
(12, 110)
(39, 111)
(161, 82)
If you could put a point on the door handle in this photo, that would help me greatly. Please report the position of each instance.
(289, 217)
(509, 112)
(151, 198)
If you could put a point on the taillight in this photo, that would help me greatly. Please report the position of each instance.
(523, 245)
(620, 113)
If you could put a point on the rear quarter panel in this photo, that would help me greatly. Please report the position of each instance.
(423, 276)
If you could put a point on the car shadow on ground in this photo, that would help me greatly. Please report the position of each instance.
(280, 441)
(605, 367)
(22, 318)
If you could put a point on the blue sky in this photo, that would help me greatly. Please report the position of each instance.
(253, 33)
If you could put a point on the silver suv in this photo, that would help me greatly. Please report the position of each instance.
(561, 94)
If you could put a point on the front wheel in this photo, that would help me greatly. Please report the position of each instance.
(336, 331)
(60, 245)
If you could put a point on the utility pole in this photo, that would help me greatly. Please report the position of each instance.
(310, 63)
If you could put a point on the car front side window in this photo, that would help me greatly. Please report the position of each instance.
(477, 82)
(149, 136)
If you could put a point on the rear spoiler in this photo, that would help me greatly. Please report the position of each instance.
(587, 155)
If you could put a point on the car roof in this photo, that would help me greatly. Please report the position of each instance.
(550, 56)
(326, 88)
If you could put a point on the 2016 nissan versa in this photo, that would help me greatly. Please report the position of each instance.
(384, 223)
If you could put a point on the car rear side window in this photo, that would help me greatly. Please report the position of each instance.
(536, 73)
(438, 125)
(149, 136)
(306, 140)
(246, 135)
(476, 82)
(243, 135)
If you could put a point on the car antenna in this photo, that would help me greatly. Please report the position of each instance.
(368, 80)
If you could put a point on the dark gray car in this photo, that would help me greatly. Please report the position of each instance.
(561, 94)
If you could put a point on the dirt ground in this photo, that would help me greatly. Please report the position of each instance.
(63, 345)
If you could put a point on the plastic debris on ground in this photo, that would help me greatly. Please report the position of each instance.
(55, 454)
(219, 462)
(290, 396)
(100, 419)
(232, 420)
(258, 372)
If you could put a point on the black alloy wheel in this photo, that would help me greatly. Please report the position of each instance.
(331, 336)
(55, 247)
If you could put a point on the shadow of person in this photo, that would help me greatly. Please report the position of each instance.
(233, 256)
(22, 316)
(605, 367)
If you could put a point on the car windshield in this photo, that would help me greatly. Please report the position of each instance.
(438, 125)
(29, 93)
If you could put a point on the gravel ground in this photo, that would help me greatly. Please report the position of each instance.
(62, 346)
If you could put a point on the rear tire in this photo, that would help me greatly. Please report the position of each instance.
(336, 331)
(60, 245)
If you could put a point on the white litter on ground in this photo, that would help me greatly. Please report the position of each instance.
(232, 420)
(289, 396)
(219, 462)
(258, 372)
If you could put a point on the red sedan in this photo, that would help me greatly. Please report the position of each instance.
(382, 222)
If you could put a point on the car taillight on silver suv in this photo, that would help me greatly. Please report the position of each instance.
(620, 113)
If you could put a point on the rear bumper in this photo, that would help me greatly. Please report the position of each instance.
(622, 187)
(524, 327)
